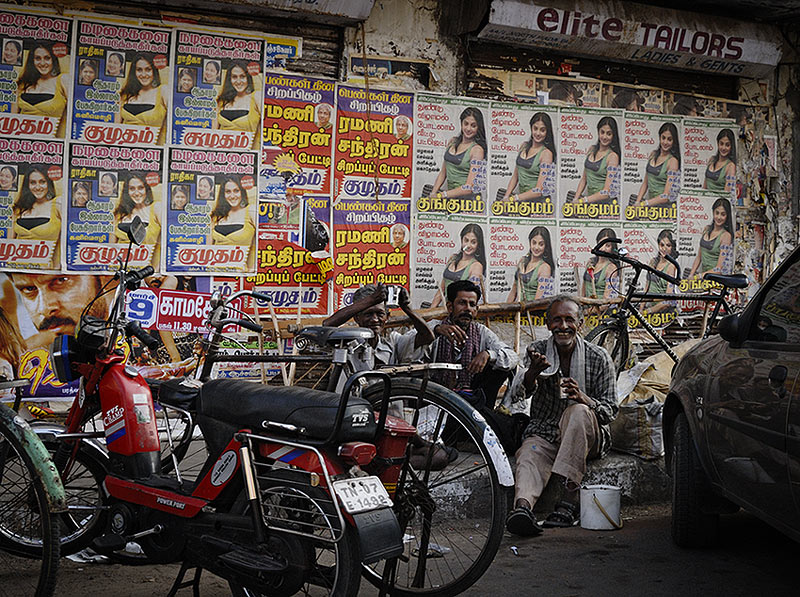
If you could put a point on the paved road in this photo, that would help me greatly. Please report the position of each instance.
(637, 561)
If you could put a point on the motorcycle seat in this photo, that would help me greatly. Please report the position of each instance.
(180, 392)
(252, 406)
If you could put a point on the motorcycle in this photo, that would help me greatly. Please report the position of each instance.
(282, 502)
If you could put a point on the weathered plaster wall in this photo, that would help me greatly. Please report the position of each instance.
(409, 29)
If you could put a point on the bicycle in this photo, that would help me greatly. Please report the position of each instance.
(31, 499)
(453, 518)
(613, 334)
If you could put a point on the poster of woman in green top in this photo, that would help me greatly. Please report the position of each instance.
(534, 277)
(463, 171)
(720, 173)
(534, 177)
(600, 180)
(662, 173)
(657, 285)
(715, 251)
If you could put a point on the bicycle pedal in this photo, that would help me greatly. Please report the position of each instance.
(109, 543)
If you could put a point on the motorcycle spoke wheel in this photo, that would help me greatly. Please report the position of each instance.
(452, 519)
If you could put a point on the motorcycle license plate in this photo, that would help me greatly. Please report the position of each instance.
(362, 494)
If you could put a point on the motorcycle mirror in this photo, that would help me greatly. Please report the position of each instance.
(137, 231)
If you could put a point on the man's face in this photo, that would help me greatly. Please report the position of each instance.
(55, 302)
(564, 321)
(373, 318)
(464, 308)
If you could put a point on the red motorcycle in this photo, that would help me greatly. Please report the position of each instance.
(281, 504)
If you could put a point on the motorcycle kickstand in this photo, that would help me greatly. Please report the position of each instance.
(182, 584)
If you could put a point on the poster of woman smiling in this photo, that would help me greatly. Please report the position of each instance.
(122, 83)
(219, 90)
(34, 74)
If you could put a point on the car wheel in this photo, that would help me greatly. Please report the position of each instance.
(691, 525)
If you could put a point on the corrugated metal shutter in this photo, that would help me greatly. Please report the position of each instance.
(486, 55)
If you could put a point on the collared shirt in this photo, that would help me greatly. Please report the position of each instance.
(501, 355)
(547, 407)
(392, 349)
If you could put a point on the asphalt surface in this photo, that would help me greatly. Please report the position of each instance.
(751, 559)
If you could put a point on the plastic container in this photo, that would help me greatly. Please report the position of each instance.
(600, 507)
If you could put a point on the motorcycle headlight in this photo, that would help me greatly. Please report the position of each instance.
(63, 354)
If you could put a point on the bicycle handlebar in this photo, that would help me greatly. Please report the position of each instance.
(635, 263)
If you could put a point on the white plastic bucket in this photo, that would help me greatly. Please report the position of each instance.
(600, 507)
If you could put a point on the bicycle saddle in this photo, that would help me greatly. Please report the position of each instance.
(330, 336)
(730, 280)
(253, 406)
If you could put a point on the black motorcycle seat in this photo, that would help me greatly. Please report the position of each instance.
(730, 280)
(326, 335)
(251, 406)
(180, 392)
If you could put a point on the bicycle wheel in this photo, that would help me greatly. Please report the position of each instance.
(459, 511)
(613, 336)
(26, 491)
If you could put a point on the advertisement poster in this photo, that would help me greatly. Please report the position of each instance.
(522, 260)
(651, 176)
(589, 164)
(294, 269)
(569, 92)
(212, 211)
(374, 144)
(218, 98)
(580, 272)
(34, 309)
(109, 186)
(297, 149)
(31, 203)
(633, 98)
(278, 49)
(35, 81)
(447, 250)
(709, 156)
(370, 245)
(706, 232)
(122, 83)
(522, 171)
(648, 242)
(451, 155)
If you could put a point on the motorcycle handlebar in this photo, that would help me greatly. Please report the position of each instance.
(132, 328)
(250, 325)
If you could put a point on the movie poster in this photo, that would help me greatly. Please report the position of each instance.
(524, 149)
(563, 91)
(651, 177)
(218, 97)
(451, 155)
(212, 211)
(122, 84)
(32, 190)
(521, 260)
(590, 163)
(108, 188)
(35, 66)
(633, 98)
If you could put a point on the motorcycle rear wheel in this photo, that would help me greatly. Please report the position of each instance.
(460, 509)
(336, 566)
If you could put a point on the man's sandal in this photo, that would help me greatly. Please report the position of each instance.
(566, 514)
(522, 522)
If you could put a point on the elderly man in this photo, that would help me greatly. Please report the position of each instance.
(487, 361)
(572, 389)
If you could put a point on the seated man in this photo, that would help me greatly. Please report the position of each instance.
(487, 361)
(572, 388)
(368, 310)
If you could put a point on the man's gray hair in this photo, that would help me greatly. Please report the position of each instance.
(562, 298)
(364, 292)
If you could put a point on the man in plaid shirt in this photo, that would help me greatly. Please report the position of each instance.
(572, 387)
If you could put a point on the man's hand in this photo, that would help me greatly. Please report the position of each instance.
(538, 361)
(452, 332)
(403, 300)
(573, 392)
(478, 363)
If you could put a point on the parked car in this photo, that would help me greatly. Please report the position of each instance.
(731, 419)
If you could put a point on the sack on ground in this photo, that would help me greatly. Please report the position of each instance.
(637, 429)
